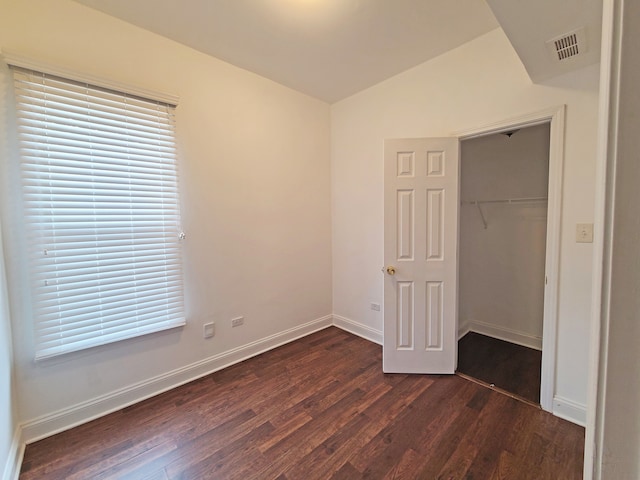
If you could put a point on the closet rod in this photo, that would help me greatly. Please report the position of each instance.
(478, 204)
(506, 200)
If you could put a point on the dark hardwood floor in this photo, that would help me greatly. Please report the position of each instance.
(510, 367)
(317, 408)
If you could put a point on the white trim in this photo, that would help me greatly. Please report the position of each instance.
(556, 117)
(569, 410)
(552, 263)
(14, 457)
(31, 64)
(521, 121)
(506, 334)
(604, 203)
(463, 328)
(84, 412)
(358, 329)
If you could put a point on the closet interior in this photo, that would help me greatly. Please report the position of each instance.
(502, 249)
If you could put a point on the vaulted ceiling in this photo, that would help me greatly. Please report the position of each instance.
(530, 25)
(331, 49)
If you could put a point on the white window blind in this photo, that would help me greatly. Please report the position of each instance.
(102, 216)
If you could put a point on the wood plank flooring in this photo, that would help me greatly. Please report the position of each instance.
(317, 408)
(508, 366)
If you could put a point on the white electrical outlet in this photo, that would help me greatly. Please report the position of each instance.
(375, 307)
(236, 322)
(584, 233)
(209, 329)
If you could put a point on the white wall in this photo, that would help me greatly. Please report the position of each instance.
(8, 410)
(618, 409)
(501, 269)
(474, 85)
(8, 419)
(255, 177)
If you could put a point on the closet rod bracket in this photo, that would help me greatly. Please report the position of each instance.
(484, 220)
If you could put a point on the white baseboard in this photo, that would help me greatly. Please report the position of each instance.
(14, 458)
(503, 333)
(570, 410)
(359, 329)
(84, 412)
(463, 329)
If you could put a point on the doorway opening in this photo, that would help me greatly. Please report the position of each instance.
(504, 183)
(421, 223)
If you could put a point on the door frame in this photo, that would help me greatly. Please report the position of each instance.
(555, 116)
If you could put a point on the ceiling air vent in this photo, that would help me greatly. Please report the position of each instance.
(568, 45)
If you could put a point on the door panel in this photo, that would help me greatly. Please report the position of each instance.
(435, 319)
(405, 224)
(435, 225)
(421, 235)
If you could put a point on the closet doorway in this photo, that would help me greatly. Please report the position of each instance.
(422, 215)
(504, 188)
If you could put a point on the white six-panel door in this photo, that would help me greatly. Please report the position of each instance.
(421, 201)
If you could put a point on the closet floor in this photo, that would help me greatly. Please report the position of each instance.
(509, 367)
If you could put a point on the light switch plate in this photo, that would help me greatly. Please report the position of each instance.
(209, 330)
(584, 233)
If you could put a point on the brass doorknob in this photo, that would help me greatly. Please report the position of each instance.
(391, 270)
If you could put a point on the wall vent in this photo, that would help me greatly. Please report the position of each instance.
(568, 45)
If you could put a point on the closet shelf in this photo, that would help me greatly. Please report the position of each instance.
(507, 200)
(478, 204)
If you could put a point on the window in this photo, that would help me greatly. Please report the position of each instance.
(102, 220)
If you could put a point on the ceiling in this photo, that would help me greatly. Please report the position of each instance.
(530, 24)
(331, 49)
